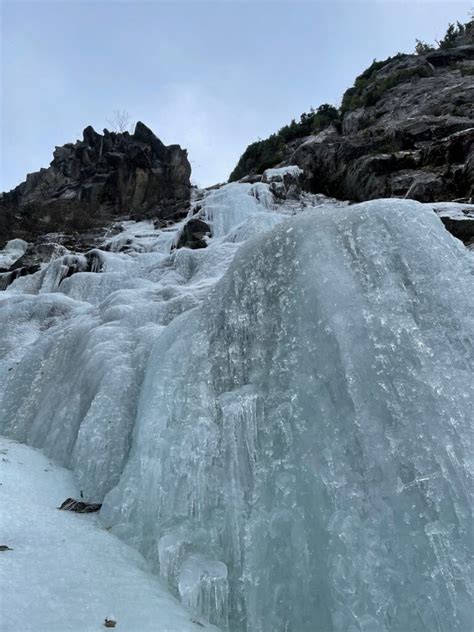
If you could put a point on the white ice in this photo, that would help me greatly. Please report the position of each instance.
(280, 422)
(64, 573)
(13, 250)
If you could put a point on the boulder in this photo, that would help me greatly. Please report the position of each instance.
(193, 234)
(38, 253)
(284, 182)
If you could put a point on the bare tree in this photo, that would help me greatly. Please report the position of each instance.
(121, 122)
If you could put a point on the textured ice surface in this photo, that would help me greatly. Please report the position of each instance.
(64, 574)
(13, 250)
(281, 426)
(203, 587)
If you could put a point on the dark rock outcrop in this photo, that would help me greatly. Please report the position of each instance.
(97, 179)
(70, 504)
(43, 251)
(193, 234)
(415, 141)
(463, 229)
(284, 183)
(406, 129)
(37, 253)
(459, 221)
(7, 277)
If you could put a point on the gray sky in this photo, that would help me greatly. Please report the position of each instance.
(211, 76)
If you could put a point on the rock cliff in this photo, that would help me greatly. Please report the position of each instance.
(406, 129)
(98, 178)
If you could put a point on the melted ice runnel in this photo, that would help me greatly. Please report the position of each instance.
(282, 425)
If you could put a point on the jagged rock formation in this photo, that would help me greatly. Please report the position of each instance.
(406, 130)
(96, 179)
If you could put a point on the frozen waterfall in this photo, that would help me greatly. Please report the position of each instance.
(280, 422)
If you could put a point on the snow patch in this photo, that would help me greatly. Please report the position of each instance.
(278, 174)
(64, 573)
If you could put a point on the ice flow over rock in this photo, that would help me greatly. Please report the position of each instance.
(282, 425)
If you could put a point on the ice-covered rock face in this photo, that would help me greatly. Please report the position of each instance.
(12, 251)
(280, 425)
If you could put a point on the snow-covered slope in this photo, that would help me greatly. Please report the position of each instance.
(281, 426)
(64, 573)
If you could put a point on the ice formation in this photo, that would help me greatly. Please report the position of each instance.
(280, 422)
(65, 574)
(12, 251)
(271, 175)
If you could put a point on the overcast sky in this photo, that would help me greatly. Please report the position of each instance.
(211, 76)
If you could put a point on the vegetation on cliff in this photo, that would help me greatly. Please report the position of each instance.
(366, 91)
(264, 154)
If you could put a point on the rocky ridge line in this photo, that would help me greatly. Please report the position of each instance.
(406, 130)
(98, 179)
